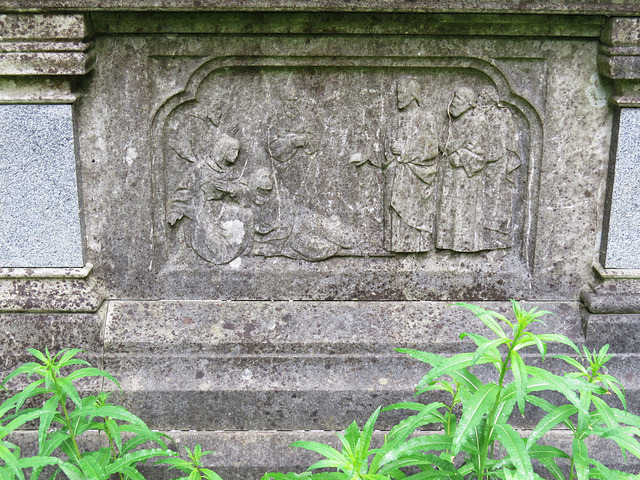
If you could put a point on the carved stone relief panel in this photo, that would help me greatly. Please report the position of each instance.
(310, 162)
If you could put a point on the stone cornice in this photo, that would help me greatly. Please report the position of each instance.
(619, 58)
(574, 7)
(41, 54)
(44, 44)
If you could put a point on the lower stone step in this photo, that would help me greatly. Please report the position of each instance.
(249, 455)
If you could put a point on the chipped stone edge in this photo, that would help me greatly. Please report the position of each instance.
(71, 273)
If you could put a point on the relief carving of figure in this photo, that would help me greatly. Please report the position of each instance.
(479, 158)
(410, 154)
(287, 137)
(500, 172)
(302, 230)
(459, 224)
(207, 202)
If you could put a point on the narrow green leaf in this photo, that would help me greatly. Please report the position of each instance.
(520, 378)
(350, 438)
(426, 443)
(467, 379)
(491, 347)
(552, 467)
(452, 364)
(328, 463)
(426, 357)
(612, 384)
(67, 356)
(407, 426)
(473, 412)
(573, 362)
(28, 368)
(38, 354)
(72, 472)
(552, 337)
(325, 450)
(134, 457)
(210, 474)
(580, 459)
(437, 474)
(29, 391)
(71, 392)
(559, 384)
(600, 471)
(91, 468)
(403, 429)
(505, 408)
(516, 450)
(111, 411)
(49, 412)
(38, 461)
(373, 476)
(92, 372)
(114, 432)
(624, 439)
(21, 420)
(606, 412)
(141, 435)
(523, 342)
(549, 421)
(487, 317)
(546, 451)
(622, 416)
(11, 462)
(542, 347)
(365, 437)
(131, 473)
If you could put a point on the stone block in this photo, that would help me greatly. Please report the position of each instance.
(285, 365)
(315, 208)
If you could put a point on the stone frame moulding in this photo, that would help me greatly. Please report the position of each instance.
(616, 290)
(41, 58)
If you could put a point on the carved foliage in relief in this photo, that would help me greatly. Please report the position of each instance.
(311, 173)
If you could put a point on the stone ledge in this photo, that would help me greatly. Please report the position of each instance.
(589, 7)
(305, 327)
(345, 23)
(72, 295)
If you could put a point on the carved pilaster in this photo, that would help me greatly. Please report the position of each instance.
(41, 55)
(617, 285)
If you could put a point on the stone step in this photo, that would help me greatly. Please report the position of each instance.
(248, 455)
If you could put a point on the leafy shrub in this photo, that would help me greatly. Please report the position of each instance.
(466, 447)
(65, 416)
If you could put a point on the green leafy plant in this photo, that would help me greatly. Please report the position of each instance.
(192, 467)
(65, 417)
(467, 446)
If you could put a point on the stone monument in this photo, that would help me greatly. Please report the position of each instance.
(253, 203)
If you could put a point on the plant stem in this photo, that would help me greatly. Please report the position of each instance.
(488, 429)
(67, 420)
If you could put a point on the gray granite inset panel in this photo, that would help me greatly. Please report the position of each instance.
(39, 212)
(623, 246)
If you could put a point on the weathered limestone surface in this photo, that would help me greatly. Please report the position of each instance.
(592, 7)
(275, 195)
